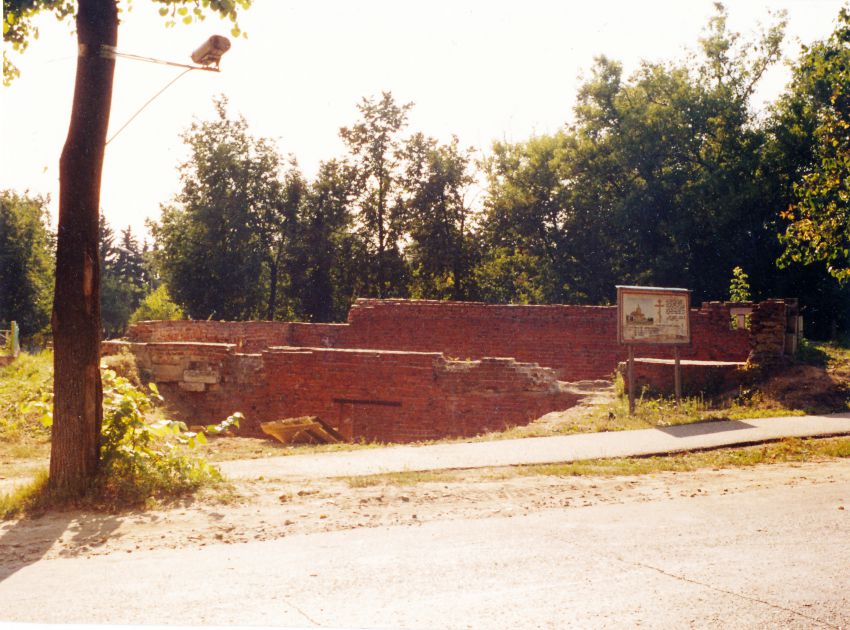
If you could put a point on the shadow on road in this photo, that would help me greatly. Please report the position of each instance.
(704, 428)
(27, 540)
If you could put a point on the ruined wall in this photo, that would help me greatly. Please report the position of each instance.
(368, 395)
(403, 370)
(579, 342)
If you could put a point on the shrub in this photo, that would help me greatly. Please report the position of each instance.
(143, 461)
(157, 305)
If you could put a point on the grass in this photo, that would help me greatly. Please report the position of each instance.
(787, 451)
(24, 442)
(25, 498)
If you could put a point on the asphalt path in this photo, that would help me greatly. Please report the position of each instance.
(770, 557)
(542, 450)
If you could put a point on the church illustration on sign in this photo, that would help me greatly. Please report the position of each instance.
(637, 317)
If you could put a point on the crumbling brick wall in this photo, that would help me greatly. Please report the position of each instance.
(579, 342)
(370, 395)
(402, 370)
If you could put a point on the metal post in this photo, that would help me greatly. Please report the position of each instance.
(677, 375)
(16, 339)
(631, 371)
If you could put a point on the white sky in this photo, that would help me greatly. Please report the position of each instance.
(482, 69)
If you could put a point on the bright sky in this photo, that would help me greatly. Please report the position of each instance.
(480, 69)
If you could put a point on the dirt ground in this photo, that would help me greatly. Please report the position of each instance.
(266, 509)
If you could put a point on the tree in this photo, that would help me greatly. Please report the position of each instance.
(279, 228)
(330, 254)
(659, 180)
(78, 414)
(157, 305)
(221, 243)
(26, 261)
(819, 217)
(375, 157)
(123, 279)
(437, 179)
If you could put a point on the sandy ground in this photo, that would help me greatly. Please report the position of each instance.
(268, 509)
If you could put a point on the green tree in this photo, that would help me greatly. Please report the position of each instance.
(123, 282)
(437, 181)
(375, 160)
(657, 181)
(78, 409)
(739, 286)
(819, 217)
(224, 235)
(157, 305)
(26, 261)
(331, 254)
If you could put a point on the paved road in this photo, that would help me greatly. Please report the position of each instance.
(771, 557)
(563, 448)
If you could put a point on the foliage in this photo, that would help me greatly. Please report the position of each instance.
(29, 377)
(514, 276)
(124, 279)
(141, 460)
(26, 262)
(739, 286)
(375, 162)
(217, 240)
(330, 255)
(436, 181)
(157, 305)
(819, 218)
(656, 182)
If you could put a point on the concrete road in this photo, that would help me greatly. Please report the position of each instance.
(771, 557)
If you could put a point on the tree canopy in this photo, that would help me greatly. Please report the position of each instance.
(819, 216)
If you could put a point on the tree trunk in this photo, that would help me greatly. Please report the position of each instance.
(78, 395)
(274, 266)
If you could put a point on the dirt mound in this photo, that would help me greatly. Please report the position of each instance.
(808, 387)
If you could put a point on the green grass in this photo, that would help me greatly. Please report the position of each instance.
(26, 378)
(26, 498)
(787, 450)
(24, 442)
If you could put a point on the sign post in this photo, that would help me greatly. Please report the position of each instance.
(653, 316)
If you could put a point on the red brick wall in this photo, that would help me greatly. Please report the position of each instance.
(580, 342)
(371, 395)
(657, 376)
(397, 371)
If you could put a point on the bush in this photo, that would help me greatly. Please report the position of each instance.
(141, 461)
(157, 305)
(124, 365)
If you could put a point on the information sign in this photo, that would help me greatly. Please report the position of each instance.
(652, 315)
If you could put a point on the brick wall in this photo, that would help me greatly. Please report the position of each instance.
(402, 370)
(656, 376)
(388, 396)
(579, 342)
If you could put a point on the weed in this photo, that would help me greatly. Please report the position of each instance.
(124, 365)
(141, 462)
(28, 377)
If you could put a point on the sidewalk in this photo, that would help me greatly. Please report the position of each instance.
(544, 450)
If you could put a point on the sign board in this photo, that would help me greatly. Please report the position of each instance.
(651, 315)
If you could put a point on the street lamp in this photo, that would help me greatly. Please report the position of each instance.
(205, 56)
